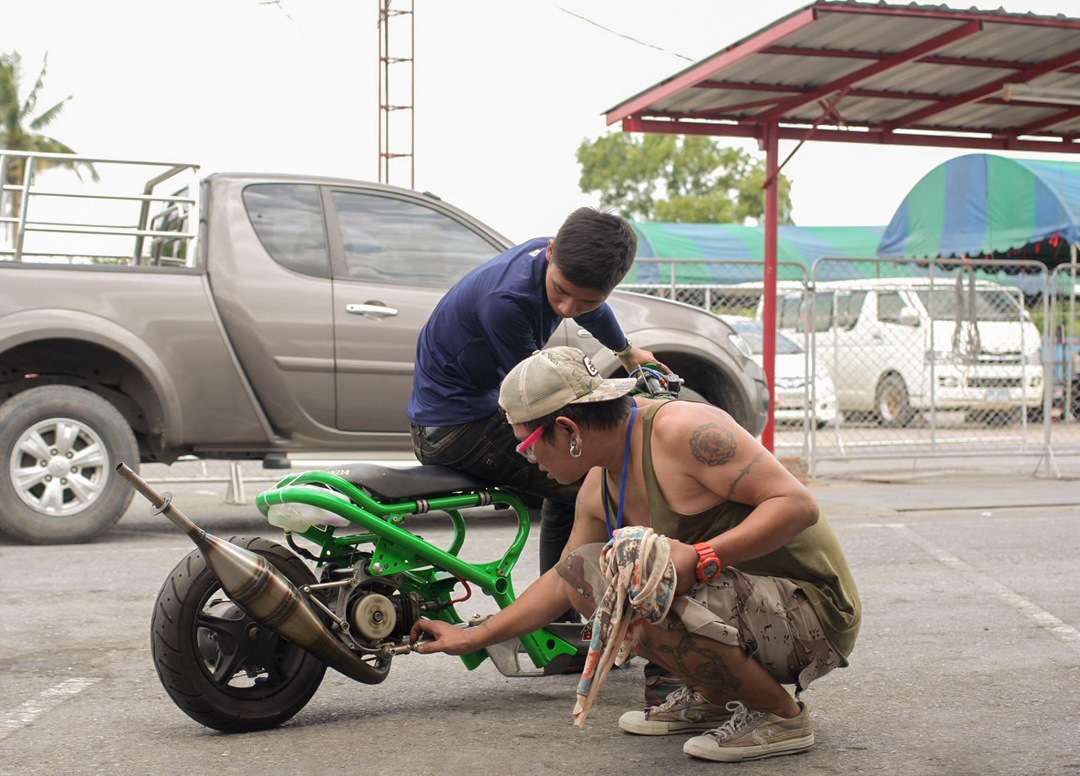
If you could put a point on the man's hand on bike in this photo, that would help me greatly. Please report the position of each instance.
(640, 357)
(444, 637)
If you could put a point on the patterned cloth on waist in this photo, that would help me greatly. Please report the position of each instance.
(640, 584)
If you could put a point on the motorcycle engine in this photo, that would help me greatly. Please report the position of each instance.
(375, 618)
(375, 611)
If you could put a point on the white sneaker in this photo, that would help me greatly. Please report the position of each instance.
(683, 711)
(753, 735)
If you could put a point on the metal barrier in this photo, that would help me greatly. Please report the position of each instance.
(67, 220)
(975, 360)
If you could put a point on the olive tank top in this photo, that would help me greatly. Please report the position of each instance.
(813, 560)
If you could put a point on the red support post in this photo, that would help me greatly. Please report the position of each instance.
(770, 144)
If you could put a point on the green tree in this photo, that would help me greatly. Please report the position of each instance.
(20, 125)
(682, 179)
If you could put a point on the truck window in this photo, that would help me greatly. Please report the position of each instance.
(390, 240)
(288, 220)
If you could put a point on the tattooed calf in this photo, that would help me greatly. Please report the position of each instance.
(712, 444)
(695, 664)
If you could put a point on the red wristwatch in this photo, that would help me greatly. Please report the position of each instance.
(708, 567)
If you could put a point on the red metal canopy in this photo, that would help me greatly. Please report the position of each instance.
(875, 73)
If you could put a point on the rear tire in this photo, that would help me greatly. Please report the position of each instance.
(59, 447)
(893, 406)
(218, 665)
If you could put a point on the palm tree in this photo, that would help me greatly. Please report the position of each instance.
(20, 129)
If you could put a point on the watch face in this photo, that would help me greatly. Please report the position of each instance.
(708, 569)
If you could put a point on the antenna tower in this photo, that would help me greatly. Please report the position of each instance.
(396, 107)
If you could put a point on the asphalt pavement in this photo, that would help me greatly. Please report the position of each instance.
(968, 661)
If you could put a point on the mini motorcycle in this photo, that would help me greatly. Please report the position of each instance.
(243, 630)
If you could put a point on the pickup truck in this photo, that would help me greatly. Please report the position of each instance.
(282, 319)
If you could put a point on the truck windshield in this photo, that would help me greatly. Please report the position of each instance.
(947, 303)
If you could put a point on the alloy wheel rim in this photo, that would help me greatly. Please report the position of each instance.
(59, 467)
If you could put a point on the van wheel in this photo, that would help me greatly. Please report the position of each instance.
(893, 406)
(59, 447)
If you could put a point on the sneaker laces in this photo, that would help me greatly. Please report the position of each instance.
(675, 697)
(741, 717)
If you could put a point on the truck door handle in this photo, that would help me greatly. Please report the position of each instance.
(370, 308)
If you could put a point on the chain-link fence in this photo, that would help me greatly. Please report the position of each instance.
(914, 359)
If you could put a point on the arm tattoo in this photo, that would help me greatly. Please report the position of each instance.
(712, 444)
(697, 665)
(743, 473)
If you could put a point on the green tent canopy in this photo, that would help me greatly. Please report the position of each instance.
(734, 242)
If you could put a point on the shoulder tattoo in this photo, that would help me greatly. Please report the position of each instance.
(713, 445)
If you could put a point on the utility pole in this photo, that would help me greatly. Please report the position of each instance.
(396, 108)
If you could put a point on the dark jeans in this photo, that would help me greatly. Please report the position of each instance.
(485, 449)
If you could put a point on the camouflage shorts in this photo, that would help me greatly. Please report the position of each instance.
(769, 617)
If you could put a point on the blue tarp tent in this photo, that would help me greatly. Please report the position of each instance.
(987, 205)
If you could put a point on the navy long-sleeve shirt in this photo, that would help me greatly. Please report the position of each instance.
(492, 318)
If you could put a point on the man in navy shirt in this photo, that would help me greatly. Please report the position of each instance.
(492, 319)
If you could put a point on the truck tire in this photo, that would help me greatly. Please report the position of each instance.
(221, 668)
(59, 447)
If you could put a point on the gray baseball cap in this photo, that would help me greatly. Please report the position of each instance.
(550, 379)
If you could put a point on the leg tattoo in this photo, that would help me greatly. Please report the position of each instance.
(697, 665)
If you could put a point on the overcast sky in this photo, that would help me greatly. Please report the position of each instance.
(504, 93)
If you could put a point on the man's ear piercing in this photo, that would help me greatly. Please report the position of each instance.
(575, 448)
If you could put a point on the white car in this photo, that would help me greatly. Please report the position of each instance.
(792, 392)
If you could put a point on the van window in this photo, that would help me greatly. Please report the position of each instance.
(288, 221)
(789, 312)
(944, 303)
(792, 311)
(393, 240)
(823, 312)
(889, 305)
(848, 306)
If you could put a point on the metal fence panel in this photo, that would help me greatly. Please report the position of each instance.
(911, 358)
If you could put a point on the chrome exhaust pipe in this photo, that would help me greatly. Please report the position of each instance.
(263, 592)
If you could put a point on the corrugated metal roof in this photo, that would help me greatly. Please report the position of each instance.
(881, 73)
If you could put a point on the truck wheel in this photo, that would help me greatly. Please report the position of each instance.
(59, 447)
(893, 406)
(689, 394)
(218, 665)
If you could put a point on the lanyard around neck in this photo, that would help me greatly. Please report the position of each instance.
(622, 483)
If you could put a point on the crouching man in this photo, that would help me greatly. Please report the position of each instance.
(761, 595)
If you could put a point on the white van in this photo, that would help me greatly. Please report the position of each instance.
(898, 346)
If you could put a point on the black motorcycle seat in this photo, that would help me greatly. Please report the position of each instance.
(424, 481)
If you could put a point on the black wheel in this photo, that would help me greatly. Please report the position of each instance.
(893, 406)
(59, 446)
(218, 665)
(1074, 399)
